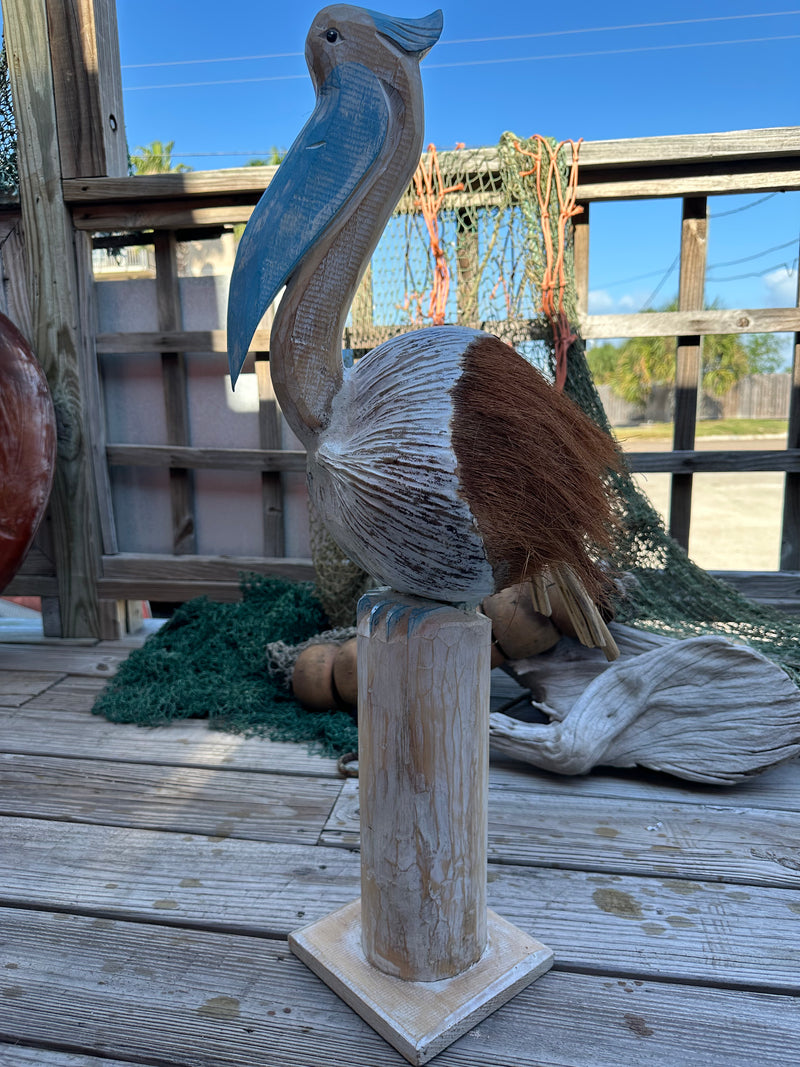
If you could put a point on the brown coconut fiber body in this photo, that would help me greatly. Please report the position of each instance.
(545, 504)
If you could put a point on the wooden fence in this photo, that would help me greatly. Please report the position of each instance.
(66, 202)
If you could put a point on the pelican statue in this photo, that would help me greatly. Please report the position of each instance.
(443, 462)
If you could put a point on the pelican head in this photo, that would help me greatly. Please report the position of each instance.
(365, 70)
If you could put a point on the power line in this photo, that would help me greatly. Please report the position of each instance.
(758, 273)
(749, 259)
(611, 52)
(662, 283)
(744, 207)
(489, 62)
(484, 40)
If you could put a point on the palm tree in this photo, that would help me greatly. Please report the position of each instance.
(644, 362)
(155, 158)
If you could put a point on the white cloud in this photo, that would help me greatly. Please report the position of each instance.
(781, 285)
(601, 302)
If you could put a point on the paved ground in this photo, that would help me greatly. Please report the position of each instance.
(736, 518)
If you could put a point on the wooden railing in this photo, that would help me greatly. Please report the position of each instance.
(162, 210)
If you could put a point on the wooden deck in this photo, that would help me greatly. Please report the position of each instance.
(149, 879)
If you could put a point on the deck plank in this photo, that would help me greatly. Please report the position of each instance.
(19, 1056)
(66, 658)
(203, 999)
(55, 724)
(647, 927)
(264, 807)
(18, 687)
(623, 836)
(778, 788)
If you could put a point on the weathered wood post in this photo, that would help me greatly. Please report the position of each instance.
(420, 956)
(64, 67)
(423, 765)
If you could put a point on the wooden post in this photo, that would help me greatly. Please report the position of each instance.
(269, 430)
(423, 776)
(580, 229)
(84, 46)
(790, 533)
(688, 369)
(173, 370)
(468, 275)
(420, 956)
(56, 311)
(362, 313)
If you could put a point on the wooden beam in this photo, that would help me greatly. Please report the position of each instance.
(154, 216)
(187, 457)
(173, 341)
(782, 143)
(55, 313)
(84, 49)
(694, 227)
(166, 577)
(682, 323)
(690, 462)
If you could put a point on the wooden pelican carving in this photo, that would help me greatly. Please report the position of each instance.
(443, 462)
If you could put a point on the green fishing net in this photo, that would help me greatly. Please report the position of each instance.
(471, 242)
(209, 660)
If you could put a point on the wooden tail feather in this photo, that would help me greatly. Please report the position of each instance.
(590, 626)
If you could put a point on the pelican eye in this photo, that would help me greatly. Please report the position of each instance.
(332, 36)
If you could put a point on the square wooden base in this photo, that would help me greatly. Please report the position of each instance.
(419, 1018)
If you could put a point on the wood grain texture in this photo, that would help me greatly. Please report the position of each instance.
(172, 341)
(691, 287)
(201, 998)
(679, 323)
(182, 800)
(194, 458)
(755, 145)
(52, 284)
(56, 723)
(76, 659)
(17, 687)
(418, 1018)
(650, 927)
(19, 1056)
(84, 46)
(423, 680)
(623, 835)
(687, 461)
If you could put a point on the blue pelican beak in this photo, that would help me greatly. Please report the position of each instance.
(335, 151)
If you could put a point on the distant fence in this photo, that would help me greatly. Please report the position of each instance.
(758, 396)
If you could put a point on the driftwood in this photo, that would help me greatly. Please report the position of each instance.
(703, 709)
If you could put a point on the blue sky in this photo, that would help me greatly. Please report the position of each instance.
(227, 82)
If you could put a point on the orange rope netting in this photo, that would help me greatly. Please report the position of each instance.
(430, 196)
(545, 173)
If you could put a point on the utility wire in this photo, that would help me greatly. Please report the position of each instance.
(611, 52)
(744, 207)
(483, 40)
(489, 62)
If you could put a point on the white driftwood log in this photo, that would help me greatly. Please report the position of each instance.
(703, 709)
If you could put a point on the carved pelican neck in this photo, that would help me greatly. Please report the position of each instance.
(306, 339)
